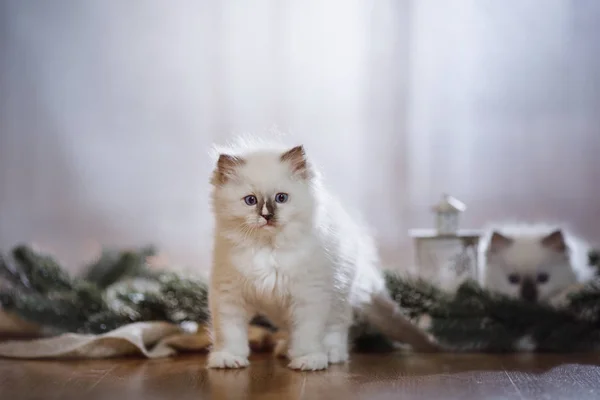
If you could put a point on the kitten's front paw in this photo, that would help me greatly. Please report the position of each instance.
(337, 355)
(309, 362)
(224, 359)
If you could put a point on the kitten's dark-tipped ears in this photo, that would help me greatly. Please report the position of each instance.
(226, 166)
(499, 242)
(296, 157)
(555, 241)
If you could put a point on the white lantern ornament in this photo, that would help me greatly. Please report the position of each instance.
(448, 214)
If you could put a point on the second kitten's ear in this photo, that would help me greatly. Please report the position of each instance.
(226, 167)
(555, 241)
(499, 242)
(296, 157)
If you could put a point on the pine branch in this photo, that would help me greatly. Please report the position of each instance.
(121, 290)
(474, 319)
(40, 272)
(65, 311)
(9, 273)
(113, 266)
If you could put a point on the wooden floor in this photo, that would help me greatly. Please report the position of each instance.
(365, 377)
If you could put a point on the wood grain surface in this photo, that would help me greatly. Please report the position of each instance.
(446, 376)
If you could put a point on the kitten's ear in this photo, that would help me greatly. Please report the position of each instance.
(296, 157)
(226, 167)
(499, 242)
(555, 241)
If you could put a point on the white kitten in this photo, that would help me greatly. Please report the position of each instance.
(532, 262)
(287, 249)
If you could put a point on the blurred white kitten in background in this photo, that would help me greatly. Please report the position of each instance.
(534, 262)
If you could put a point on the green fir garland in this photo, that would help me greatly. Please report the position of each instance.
(116, 290)
(120, 289)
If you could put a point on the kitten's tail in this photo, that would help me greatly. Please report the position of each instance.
(384, 314)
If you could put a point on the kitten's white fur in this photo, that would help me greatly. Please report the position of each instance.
(527, 256)
(307, 274)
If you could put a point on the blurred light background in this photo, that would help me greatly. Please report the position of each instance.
(108, 109)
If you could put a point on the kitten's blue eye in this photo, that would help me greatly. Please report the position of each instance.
(514, 279)
(542, 277)
(281, 197)
(250, 200)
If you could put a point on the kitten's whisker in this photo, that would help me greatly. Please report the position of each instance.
(247, 231)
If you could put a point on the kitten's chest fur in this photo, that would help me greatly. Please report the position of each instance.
(269, 276)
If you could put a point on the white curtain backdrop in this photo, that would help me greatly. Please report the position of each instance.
(108, 109)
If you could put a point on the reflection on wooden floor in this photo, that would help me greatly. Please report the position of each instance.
(396, 376)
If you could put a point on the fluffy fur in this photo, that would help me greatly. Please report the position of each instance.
(290, 252)
(534, 262)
